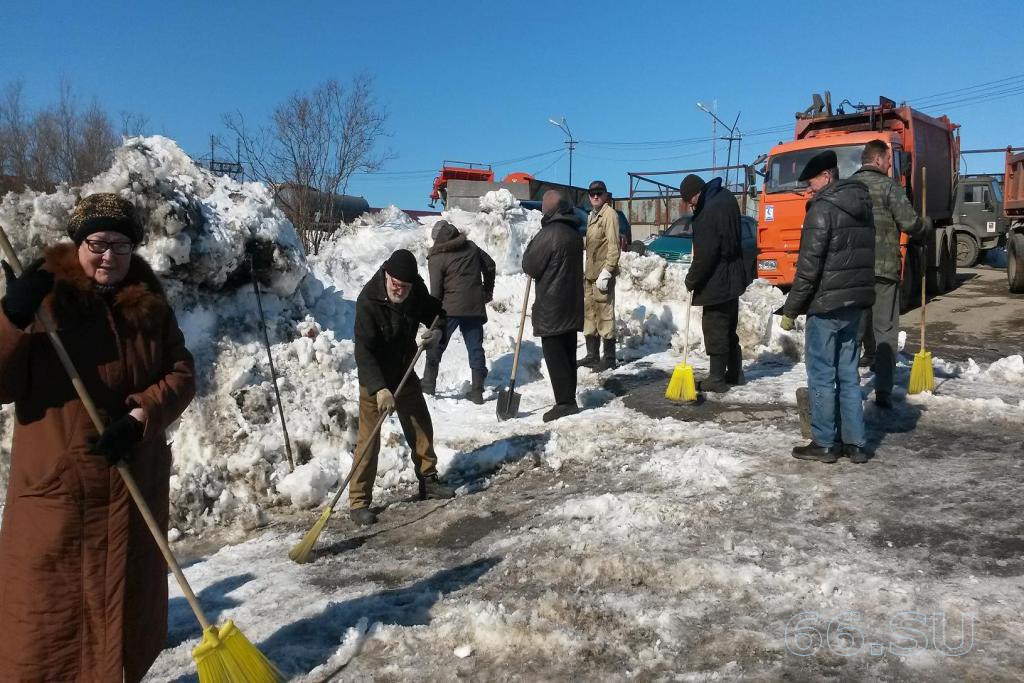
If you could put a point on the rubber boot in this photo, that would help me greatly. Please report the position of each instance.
(476, 392)
(429, 380)
(608, 361)
(593, 352)
(734, 372)
(716, 376)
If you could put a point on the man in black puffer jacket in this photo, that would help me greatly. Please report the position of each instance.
(554, 259)
(835, 282)
(717, 277)
(462, 277)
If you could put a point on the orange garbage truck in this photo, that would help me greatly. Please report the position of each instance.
(917, 141)
(1013, 209)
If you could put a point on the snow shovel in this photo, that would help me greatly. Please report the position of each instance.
(270, 359)
(508, 399)
(922, 375)
(303, 550)
(224, 655)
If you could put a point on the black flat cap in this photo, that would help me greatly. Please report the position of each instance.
(823, 161)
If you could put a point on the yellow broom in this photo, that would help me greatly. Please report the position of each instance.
(682, 387)
(225, 655)
(922, 376)
(303, 550)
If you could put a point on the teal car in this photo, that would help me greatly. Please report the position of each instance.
(676, 243)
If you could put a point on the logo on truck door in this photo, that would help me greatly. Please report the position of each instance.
(769, 212)
(990, 226)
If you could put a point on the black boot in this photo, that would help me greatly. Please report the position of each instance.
(593, 352)
(429, 380)
(608, 362)
(476, 392)
(431, 488)
(363, 516)
(560, 410)
(716, 375)
(734, 370)
(856, 454)
(813, 451)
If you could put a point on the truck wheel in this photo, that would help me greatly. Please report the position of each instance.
(950, 270)
(966, 250)
(908, 286)
(1015, 262)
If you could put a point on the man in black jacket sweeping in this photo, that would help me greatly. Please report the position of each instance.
(462, 277)
(716, 277)
(389, 311)
(834, 283)
(554, 259)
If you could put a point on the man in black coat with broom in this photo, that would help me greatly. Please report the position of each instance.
(389, 311)
(554, 259)
(717, 277)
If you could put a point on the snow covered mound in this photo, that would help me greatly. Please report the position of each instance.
(199, 227)
(499, 201)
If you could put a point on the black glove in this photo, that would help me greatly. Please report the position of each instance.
(116, 441)
(25, 293)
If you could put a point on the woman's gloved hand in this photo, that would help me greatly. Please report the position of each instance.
(25, 293)
(117, 440)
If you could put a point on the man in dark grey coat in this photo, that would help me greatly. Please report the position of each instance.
(717, 277)
(462, 277)
(834, 283)
(554, 259)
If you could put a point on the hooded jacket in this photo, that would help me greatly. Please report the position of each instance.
(461, 274)
(554, 259)
(836, 265)
(83, 587)
(385, 333)
(716, 273)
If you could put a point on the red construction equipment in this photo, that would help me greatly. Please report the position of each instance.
(458, 170)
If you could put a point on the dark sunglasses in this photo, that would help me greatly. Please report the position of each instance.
(595, 193)
(101, 246)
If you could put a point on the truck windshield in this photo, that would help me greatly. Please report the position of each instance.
(997, 192)
(784, 169)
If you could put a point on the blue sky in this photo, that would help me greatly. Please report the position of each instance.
(479, 81)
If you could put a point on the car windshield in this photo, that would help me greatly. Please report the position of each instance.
(682, 227)
(784, 169)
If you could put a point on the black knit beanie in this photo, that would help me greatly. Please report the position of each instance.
(402, 266)
(104, 211)
(691, 185)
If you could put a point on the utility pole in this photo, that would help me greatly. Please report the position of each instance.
(734, 135)
(570, 142)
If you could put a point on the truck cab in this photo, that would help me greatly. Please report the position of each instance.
(979, 220)
(784, 197)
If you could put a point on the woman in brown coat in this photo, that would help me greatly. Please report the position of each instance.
(83, 587)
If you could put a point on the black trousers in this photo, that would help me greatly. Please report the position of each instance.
(560, 357)
(720, 339)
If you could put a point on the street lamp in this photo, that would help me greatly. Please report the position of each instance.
(571, 143)
(734, 134)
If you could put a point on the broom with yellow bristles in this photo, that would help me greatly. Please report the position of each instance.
(303, 550)
(225, 655)
(922, 376)
(682, 387)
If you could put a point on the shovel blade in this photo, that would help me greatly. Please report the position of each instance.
(508, 404)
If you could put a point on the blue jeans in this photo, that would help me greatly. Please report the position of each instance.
(472, 328)
(830, 352)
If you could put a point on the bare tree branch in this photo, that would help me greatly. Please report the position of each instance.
(310, 148)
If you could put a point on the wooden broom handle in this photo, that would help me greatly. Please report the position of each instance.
(94, 415)
(686, 339)
(924, 250)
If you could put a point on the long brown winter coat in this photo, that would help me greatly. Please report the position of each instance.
(83, 588)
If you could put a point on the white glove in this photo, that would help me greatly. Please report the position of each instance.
(385, 400)
(603, 280)
(430, 338)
